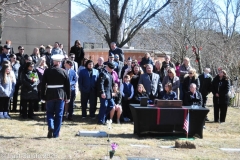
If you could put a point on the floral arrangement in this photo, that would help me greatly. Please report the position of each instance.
(33, 77)
(114, 146)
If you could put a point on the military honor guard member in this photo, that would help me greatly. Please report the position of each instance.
(105, 86)
(55, 91)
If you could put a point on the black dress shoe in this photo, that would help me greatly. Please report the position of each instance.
(50, 133)
(70, 118)
(206, 119)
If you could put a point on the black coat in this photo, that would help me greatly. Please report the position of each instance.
(29, 89)
(118, 98)
(170, 64)
(137, 96)
(159, 72)
(79, 54)
(105, 84)
(186, 83)
(205, 84)
(189, 99)
(134, 81)
(145, 61)
(222, 88)
(119, 52)
(20, 58)
(49, 60)
(55, 76)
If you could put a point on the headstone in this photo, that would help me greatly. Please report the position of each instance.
(167, 146)
(92, 134)
(136, 145)
(231, 149)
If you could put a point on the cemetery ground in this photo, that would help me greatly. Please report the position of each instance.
(27, 139)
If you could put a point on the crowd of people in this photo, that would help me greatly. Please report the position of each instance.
(50, 73)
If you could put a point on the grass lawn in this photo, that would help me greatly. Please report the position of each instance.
(26, 139)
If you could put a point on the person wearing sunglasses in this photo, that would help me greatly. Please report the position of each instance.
(111, 59)
(5, 54)
(20, 55)
(173, 79)
(75, 64)
(191, 77)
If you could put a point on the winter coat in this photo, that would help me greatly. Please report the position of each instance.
(186, 83)
(205, 84)
(7, 89)
(79, 54)
(30, 81)
(144, 62)
(222, 88)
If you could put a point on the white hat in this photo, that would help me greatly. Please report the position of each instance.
(57, 57)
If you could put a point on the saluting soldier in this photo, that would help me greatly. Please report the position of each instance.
(105, 87)
(55, 91)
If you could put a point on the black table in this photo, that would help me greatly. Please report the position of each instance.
(152, 119)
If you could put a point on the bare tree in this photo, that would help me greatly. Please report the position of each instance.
(226, 46)
(126, 17)
(12, 9)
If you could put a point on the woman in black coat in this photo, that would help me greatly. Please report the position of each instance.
(191, 77)
(135, 75)
(29, 92)
(77, 49)
(220, 89)
(140, 92)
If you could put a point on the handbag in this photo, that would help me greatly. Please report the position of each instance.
(231, 92)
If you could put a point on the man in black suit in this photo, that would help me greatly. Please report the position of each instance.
(119, 67)
(105, 84)
(205, 86)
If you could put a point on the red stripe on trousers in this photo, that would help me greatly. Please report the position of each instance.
(158, 116)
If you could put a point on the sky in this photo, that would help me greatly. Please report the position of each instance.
(75, 9)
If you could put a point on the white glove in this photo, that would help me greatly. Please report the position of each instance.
(68, 100)
(43, 101)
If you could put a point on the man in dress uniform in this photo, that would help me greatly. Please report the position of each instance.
(55, 91)
(105, 84)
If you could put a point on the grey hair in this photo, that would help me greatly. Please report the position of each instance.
(193, 85)
(149, 65)
(167, 56)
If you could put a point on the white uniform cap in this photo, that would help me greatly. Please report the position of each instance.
(57, 57)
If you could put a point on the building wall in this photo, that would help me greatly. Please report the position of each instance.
(94, 54)
(43, 30)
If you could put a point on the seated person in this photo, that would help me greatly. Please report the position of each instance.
(168, 93)
(117, 97)
(141, 92)
(193, 96)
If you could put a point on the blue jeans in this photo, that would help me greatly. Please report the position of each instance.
(105, 107)
(71, 103)
(92, 97)
(54, 115)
